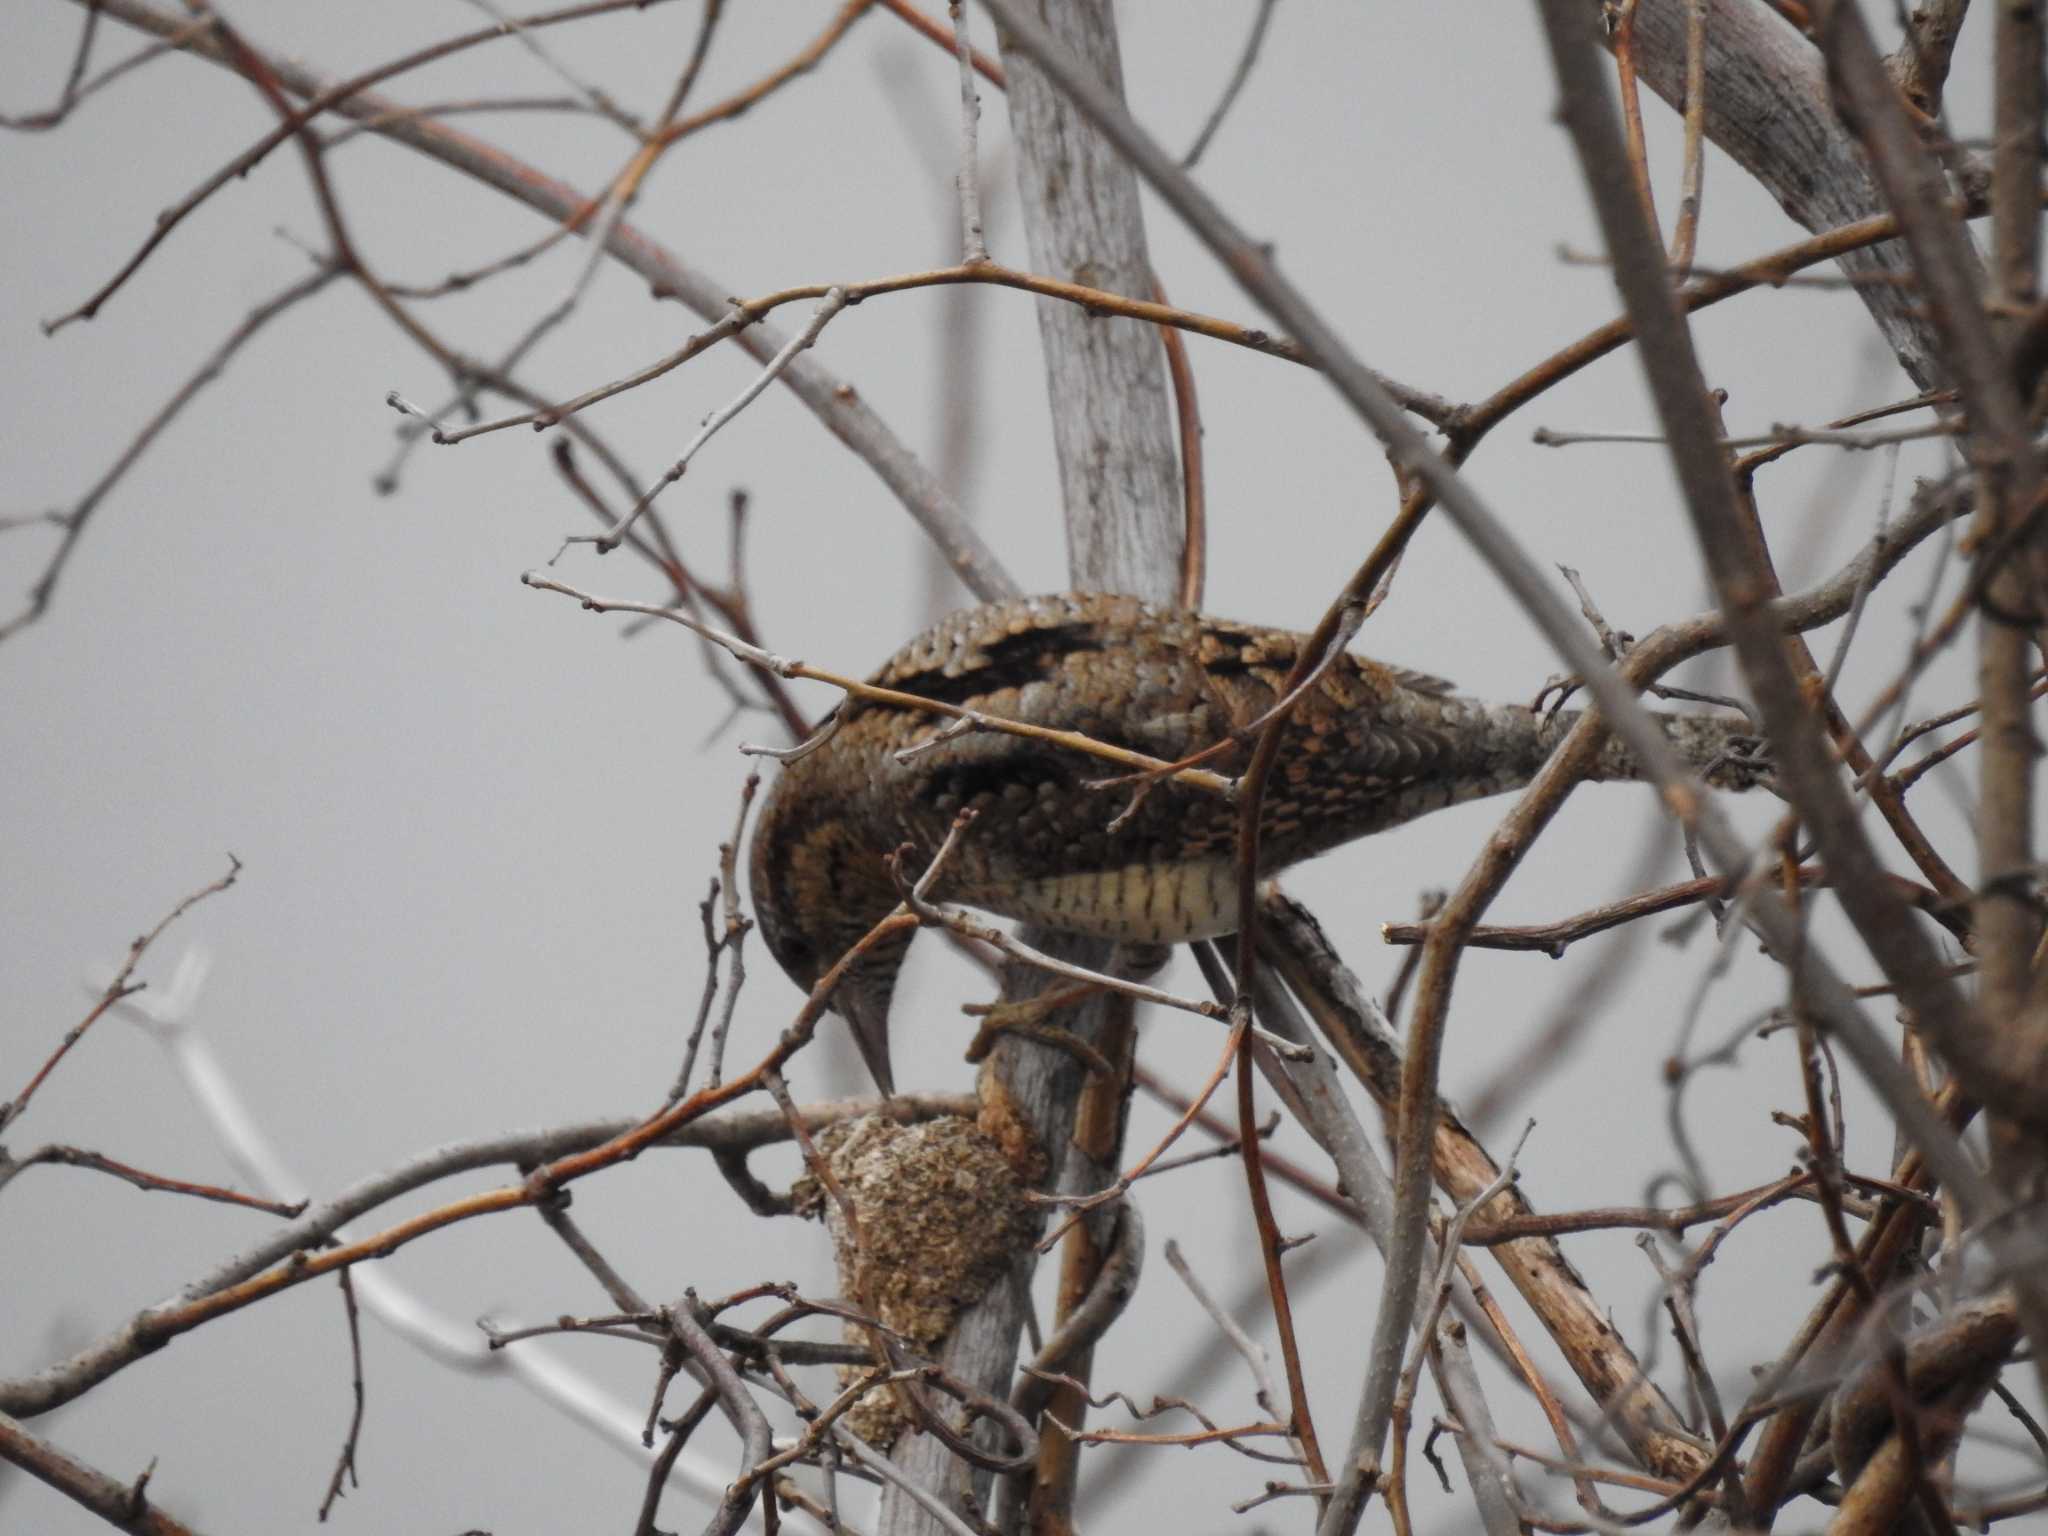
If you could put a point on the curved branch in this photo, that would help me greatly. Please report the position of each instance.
(836, 403)
(734, 1130)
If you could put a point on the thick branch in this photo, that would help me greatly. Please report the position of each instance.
(125, 1507)
(1768, 108)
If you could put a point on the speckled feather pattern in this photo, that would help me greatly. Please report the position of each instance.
(1368, 748)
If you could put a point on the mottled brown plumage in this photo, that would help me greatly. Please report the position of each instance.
(1367, 748)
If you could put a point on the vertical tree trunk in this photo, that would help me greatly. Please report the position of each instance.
(1120, 490)
(1768, 107)
(1112, 423)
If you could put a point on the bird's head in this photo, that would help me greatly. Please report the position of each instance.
(817, 893)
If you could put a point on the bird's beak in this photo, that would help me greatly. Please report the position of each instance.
(870, 1024)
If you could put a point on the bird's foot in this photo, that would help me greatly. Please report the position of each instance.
(1027, 1017)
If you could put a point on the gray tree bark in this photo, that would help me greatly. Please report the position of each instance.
(1111, 420)
(1119, 468)
(1769, 108)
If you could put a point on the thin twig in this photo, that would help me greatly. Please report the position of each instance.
(967, 178)
(79, 1157)
(1780, 436)
(783, 666)
(1622, 38)
(74, 519)
(941, 36)
(1115, 1283)
(1685, 232)
(193, 35)
(116, 989)
(1246, 58)
(1248, 1349)
(1194, 480)
(345, 1465)
(833, 302)
(601, 102)
(740, 314)
(841, 408)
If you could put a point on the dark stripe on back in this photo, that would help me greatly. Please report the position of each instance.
(1010, 662)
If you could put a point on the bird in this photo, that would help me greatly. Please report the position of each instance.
(1367, 747)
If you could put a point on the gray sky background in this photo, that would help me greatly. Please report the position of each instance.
(476, 822)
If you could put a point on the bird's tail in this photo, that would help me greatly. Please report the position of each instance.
(1722, 749)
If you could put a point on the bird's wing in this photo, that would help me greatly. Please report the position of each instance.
(1006, 645)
